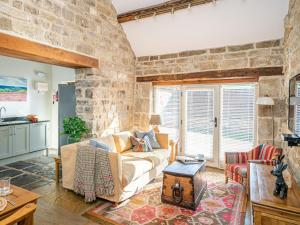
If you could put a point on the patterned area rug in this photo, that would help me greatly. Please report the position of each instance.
(221, 204)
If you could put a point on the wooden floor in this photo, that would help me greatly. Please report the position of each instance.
(62, 207)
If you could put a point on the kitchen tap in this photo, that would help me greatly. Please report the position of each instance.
(2, 108)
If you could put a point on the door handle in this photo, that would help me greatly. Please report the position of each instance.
(216, 122)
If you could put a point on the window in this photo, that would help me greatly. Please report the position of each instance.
(297, 112)
(209, 119)
(167, 104)
(237, 131)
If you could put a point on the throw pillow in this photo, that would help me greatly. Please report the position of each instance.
(151, 135)
(122, 141)
(141, 145)
(95, 143)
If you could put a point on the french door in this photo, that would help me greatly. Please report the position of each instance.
(199, 122)
(208, 120)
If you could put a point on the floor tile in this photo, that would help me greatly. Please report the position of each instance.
(37, 184)
(20, 164)
(3, 168)
(24, 179)
(10, 173)
(44, 171)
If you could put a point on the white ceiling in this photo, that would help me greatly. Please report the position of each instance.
(229, 22)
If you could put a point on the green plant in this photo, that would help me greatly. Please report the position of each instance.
(75, 128)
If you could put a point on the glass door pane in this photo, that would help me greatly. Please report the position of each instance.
(167, 105)
(237, 131)
(199, 123)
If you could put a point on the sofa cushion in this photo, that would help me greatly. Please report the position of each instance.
(156, 157)
(122, 141)
(105, 143)
(151, 135)
(133, 168)
(141, 145)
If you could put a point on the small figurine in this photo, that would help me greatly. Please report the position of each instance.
(281, 187)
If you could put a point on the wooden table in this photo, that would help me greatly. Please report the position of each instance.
(266, 208)
(57, 160)
(20, 197)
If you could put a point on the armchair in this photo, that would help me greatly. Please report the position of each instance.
(236, 162)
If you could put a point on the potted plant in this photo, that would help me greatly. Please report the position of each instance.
(75, 128)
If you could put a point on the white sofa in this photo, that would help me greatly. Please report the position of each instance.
(131, 170)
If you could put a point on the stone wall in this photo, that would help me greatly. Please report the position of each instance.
(292, 68)
(253, 55)
(105, 95)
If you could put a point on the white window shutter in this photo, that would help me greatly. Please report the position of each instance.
(237, 131)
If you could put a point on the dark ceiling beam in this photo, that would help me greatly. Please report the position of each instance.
(249, 73)
(166, 7)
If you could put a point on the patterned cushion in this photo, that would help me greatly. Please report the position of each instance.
(151, 136)
(267, 152)
(141, 145)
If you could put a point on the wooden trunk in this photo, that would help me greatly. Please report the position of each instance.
(184, 185)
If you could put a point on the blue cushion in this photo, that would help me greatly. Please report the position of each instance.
(151, 135)
(95, 143)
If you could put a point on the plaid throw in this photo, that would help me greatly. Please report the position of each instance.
(93, 176)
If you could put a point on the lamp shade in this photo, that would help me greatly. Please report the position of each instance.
(155, 119)
(265, 101)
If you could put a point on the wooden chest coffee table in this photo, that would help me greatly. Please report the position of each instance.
(184, 184)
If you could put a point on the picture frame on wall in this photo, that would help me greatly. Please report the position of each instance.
(13, 89)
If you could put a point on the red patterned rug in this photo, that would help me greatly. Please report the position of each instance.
(221, 204)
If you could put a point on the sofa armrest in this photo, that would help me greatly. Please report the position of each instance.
(163, 140)
(266, 162)
(236, 157)
(68, 159)
(174, 146)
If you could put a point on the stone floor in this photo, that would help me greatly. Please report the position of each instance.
(57, 206)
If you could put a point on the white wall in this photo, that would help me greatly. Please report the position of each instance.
(37, 103)
(228, 22)
(40, 104)
(60, 75)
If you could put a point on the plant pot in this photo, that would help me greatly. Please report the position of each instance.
(72, 140)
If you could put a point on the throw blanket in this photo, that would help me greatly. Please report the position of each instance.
(93, 176)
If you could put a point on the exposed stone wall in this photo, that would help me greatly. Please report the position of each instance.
(262, 54)
(292, 68)
(105, 95)
(253, 55)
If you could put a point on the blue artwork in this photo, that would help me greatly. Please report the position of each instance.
(13, 89)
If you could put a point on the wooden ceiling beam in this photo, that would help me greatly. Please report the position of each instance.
(246, 73)
(166, 7)
(29, 50)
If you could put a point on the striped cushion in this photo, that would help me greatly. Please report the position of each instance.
(268, 152)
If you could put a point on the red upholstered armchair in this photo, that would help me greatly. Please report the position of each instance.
(236, 162)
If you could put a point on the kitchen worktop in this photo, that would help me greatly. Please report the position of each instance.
(18, 121)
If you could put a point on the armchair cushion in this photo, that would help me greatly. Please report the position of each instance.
(237, 171)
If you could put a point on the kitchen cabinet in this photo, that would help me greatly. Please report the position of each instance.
(6, 140)
(20, 139)
(38, 136)
(23, 138)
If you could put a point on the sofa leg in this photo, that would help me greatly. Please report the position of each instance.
(226, 180)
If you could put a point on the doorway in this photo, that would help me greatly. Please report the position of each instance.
(208, 119)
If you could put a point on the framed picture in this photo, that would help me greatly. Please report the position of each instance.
(13, 89)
